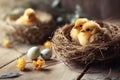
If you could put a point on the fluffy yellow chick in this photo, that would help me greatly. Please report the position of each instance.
(92, 32)
(21, 63)
(76, 28)
(29, 17)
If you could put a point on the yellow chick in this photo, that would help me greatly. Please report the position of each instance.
(21, 63)
(29, 17)
(92, 32)
(76, 28)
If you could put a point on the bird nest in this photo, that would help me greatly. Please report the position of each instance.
(32, 33)
(72, 53)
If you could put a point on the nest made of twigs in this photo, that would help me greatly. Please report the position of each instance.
(72, 53)
(33, 33)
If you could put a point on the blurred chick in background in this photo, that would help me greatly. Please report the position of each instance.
(92, 32)
(29, 17)
(76, 28)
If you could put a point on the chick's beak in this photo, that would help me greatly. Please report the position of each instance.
(82, 31)
(75, 27)
(29, 16)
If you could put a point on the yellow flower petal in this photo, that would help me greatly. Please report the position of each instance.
(37, 64)
(48, 44)
(34, 62)
(6, 43)
(21, 63)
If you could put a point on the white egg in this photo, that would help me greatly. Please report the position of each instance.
(46, 54)
(33, 53)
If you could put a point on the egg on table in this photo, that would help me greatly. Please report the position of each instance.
(46, 54)
(33, 53)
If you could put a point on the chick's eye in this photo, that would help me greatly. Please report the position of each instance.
(88, 29)
(80, 25)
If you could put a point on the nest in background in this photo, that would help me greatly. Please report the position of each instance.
(33, 33)
(72, 53)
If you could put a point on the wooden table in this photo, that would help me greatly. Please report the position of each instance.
(53, 70)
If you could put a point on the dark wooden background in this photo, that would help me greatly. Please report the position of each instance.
(100, 9)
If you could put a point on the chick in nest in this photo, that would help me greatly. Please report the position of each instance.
(92, 32)
(76, 28)
(29, 17)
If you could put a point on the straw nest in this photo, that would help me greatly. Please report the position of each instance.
(72, 53)
(33, 33)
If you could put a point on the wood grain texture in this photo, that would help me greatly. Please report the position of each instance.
(53, 70)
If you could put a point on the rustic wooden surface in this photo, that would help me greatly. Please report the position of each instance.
(53, 70)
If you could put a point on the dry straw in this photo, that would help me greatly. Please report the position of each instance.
(36, 33)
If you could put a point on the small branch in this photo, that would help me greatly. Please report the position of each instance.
(83, 72)
(12, 61)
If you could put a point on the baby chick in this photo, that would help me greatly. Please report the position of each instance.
(29, 17)
(76, 28)
(92, 32)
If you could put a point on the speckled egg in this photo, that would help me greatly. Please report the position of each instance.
(33, 53)
(46, 54)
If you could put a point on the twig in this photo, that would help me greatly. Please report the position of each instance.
(23, 53)
(101, 53)
(12, 61)
(109, 73)
(83, 72)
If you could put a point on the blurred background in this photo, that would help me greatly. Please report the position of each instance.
(63, 11)
(98, 9)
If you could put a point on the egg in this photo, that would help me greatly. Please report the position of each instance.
(46, 54)
(33, 53)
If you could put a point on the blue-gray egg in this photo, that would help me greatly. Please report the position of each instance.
(46, 54)
(33, 53)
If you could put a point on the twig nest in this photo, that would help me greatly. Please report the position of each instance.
(32, 33)
(72, 53)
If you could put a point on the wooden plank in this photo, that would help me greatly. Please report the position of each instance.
(101, 72)
(7, 55)
(53, 70)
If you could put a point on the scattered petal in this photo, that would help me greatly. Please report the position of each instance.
(6, 43)
(48, 44)
(38, 64)
(21, 63)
